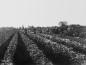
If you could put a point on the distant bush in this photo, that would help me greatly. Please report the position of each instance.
(69, 30)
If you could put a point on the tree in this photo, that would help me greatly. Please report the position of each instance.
(63, 23)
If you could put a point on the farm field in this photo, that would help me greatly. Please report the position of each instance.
(40, 46)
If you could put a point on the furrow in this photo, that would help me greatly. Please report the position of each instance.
(37, 55)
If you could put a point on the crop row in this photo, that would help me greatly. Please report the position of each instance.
(58, 48)
(8, 56)
(79, 47)
(78, 39)
(5, 35)
(37, 55)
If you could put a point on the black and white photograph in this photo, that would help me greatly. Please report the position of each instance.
(42, 32)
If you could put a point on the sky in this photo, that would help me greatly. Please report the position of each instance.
(41, 12)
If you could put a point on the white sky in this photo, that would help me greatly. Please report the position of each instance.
(41, 12)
